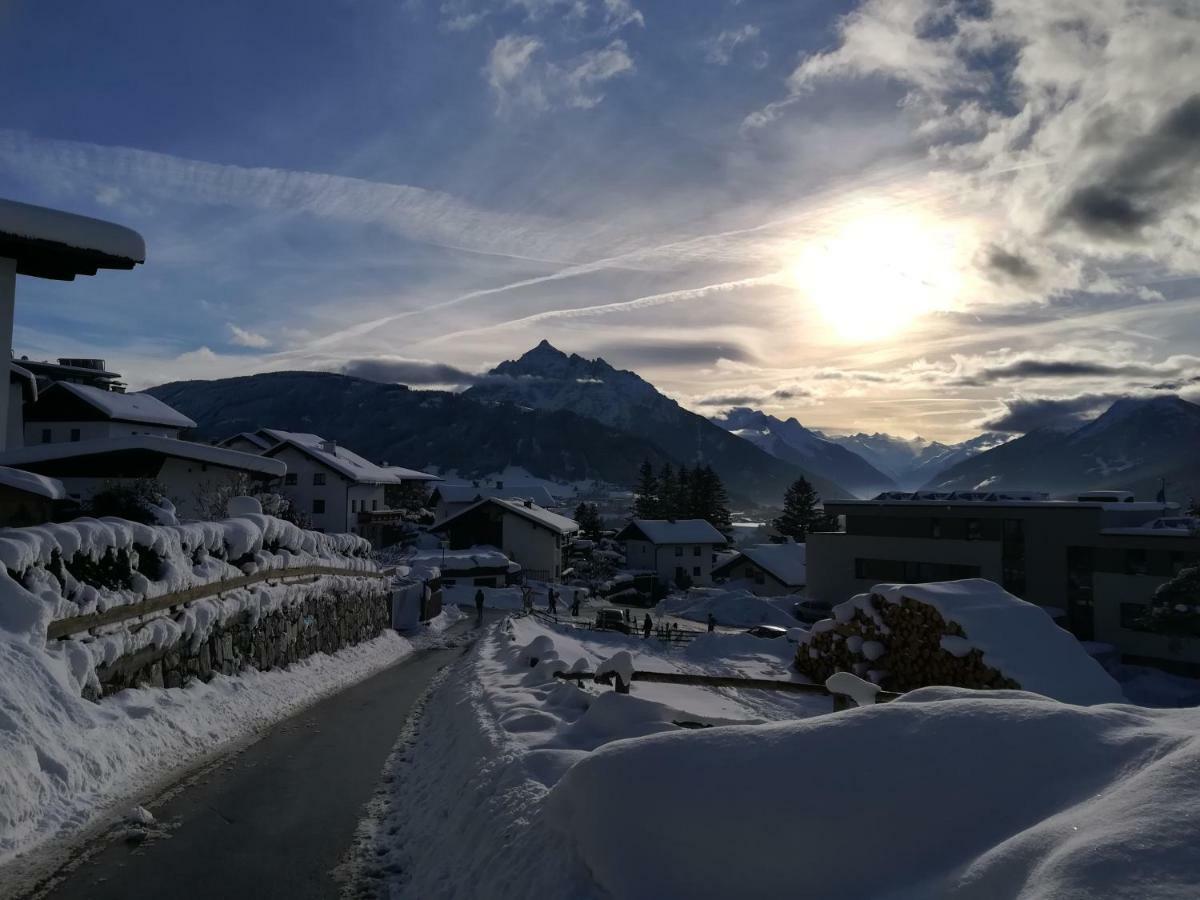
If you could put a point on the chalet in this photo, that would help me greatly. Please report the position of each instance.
(529, 535)
(450, 499)
(66, 411)
(677, 550)
(769, 569)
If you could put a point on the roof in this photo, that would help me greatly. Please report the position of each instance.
(49, 243)
(469, 493)
(672, 531)
(30, 483)
(345, 462)
(27, 380)
(249, 436)
(205, 453)
(531, 511)
(126, 407)
(786, 562)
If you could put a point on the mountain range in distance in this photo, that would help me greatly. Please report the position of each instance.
(566, 418)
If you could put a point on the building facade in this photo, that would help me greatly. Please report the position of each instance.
(678, 551)
(535, 538)
(767, 570)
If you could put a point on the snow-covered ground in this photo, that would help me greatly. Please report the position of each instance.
(66, 762)
(735, 607)
(518, 784)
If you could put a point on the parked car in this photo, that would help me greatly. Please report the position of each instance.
(613, 620)
(811, 611)
(767, 631)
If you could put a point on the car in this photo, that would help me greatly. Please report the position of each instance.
(767, 631)
(811, 611)
(613, 620)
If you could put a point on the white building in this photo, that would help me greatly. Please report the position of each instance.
(675, 549)
(529, 535)
(66, 412)
(769, 569)
(338, 490)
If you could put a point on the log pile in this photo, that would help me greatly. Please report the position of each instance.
(896, 645)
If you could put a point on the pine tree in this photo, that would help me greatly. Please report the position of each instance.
(710, 501)
(588, 517)
(802, 512)
(646, 501)
(685, 498)
(668, 493)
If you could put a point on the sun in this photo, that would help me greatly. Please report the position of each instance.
(875, 275)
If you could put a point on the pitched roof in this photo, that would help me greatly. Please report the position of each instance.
(345, 462)
(250, 437)
(205, 453)
(126, 407)
(531, 511)
(468, 493)
(672, 531)
(786, 562)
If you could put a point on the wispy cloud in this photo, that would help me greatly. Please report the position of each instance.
(244, 338)
(521, 77)
(720, 49)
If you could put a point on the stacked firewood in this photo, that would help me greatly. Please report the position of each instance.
(899, 647)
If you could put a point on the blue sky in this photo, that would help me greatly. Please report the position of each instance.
(868, 215)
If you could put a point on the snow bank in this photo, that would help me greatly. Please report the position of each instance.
(737, 608)
(979, 795)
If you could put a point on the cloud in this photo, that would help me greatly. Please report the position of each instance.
(754, 395)
(720, 49)
(408, 371)
(983, 371)
(1024, 414)
(672, 353)
(244, 338)
(1010, 265)
(521, 78)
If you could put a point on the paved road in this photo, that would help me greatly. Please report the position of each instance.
(273, 820)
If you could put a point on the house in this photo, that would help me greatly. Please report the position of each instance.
(26, 498)
(771, 569)
(450, 499)
(1099, 557)
(189, 472)
(531, 536)
(92, 372)
(337, 489)
(66, 411)
(677, 550)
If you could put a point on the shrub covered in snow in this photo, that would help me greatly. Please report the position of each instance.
(969, 633)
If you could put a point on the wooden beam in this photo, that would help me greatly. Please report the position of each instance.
(76, 624)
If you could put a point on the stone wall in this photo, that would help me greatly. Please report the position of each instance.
(326, 620)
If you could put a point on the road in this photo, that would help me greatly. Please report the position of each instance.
(273, 820)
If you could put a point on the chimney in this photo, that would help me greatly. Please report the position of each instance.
(329, 446)
(384, 464)
(499, 485)
(529, 504)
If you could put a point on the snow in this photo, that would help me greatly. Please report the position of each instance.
(733, 607)
(40, 223)
(127, 407)
(204, 453)
(679, 531)
(531, 511)
(343, 461)
(65, 761)
(787, 562)
(861, 692)
(449, 563)
(30, 483)
(619, 664)
(469, 493)
(243, 506)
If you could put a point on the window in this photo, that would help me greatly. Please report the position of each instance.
(760, 577)
(678, 550)
(1131, 616)
(318, 478)
(46, 436)
(696, 550)
(74, 434)
(353, 506)
(696, 571)
(318, 507)
(974, 530)
(911, 572)
(935, 528)
(290, 478)
(374, 504)
(1135, 562)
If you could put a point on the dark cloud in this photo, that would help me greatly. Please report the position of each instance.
(1156, 172)
(1010, 265)
(408, 371)
(673, 353)
(843, 375)
(1052, 368)
(1176, 383)
(753, 397)
(1024, 414)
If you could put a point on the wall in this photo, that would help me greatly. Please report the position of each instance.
(60, 432)
(532, 546)
(770, 586)
(325, 621)
(182, 478)
(1110, 590)
(662, 559)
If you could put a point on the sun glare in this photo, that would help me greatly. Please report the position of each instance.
(873, 277)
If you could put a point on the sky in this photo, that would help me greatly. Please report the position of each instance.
(910, 216)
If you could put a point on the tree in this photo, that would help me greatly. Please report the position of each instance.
(802, 511)
(1175, 609)
(139, 500)
(710, 500)
(668, 493)
(588, 517)
(645, 503)
(212, 500)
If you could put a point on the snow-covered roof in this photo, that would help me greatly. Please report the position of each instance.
(528, 510)
(205, 453)
(27, 380)
(672, 531)
(787, 562)
(345, 462)
(49, 243)
(452, 562)
(250, 437)
(127, 407)
(30, 483)
(469, 493)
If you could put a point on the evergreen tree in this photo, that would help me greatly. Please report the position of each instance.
(668, 493)
(588, 517)
(713, 500)
(685, 497)
(645, 503)
(802, 512)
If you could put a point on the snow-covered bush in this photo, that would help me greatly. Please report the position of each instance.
(1175, 609)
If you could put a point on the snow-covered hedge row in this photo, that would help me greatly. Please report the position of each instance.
(58, 571)
(969, 633)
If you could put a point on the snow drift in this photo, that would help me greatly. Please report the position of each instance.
(737, 608)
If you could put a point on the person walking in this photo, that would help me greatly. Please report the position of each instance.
(712, 622)
(552, 602)
(575, 605)
(647, 626)
(478, 607)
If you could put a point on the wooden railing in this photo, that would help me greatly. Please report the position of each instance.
(75, 624)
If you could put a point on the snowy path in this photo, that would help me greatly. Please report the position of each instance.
(275, 819)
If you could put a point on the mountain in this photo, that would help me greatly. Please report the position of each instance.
(1130, 446)
(912, 462)
(545, 378)
(418, 429)
(790, 441)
